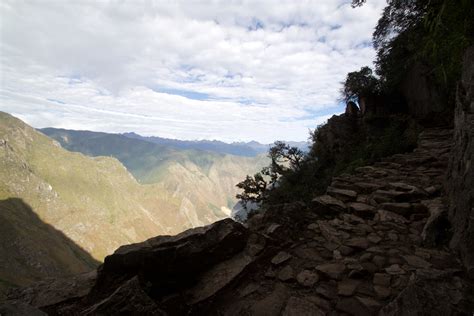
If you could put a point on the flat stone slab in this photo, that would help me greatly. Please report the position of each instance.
(332, 270)
(327, 200)
(281, 257)
(342, 194)
(218, 277)
(307, 278)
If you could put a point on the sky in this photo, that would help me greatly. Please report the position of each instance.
(227, 70)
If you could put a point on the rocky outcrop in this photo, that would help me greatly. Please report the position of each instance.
(433, 293)
(168, 264)
(460, 182)
(366, 247)
(423, 97)
(352, 109)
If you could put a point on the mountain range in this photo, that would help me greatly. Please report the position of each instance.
(247, 149)
(69, 199)
(202, 180)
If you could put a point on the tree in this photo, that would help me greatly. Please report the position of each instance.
(357, 3)
(284, 159)
(434, 33)
(283, 155)
(358, 84)
(253, 189)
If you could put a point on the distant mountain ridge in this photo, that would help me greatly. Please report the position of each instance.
(246, 149)
(202, 180)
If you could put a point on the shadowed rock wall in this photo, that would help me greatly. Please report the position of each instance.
(460, 184)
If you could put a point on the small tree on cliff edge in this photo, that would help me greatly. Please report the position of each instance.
(359, 83)
(284, 159)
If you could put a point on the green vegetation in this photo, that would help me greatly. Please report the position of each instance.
(284, 160)
(433, 33)
(359, 83)
(31, 250)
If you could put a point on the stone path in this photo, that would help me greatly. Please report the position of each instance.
(366, 241)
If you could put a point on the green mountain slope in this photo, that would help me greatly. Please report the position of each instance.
(204, 181)
(50, 195)
(31, 250)
(62, 212)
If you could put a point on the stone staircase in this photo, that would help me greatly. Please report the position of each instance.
(387, 218)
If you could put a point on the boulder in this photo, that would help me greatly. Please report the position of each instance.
(361, 209)
(341, 194)
(374, 238)
(403, 208)
(307, 278)
(273, 303)
(360, 243)
(16, 308)
(382, 291)
(395, 269)
(167, 263)
(217, 278)
(327, 205)
(347, 287)
(432, 294)
(382, 279)
(281, 257)
(53, 291)
(436, 229)
(286, 274)
(416, 262)
(332, 270)
(127, 299)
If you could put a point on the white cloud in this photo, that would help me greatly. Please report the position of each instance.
(261, 70)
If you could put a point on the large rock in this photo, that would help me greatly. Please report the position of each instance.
(361, 209)
(218, 277)
(460, 181)
(432, 293)
(273, 303)
(53, 291)
(419, 90)
(167, 263)
(437, 226)
(332, 270)
(128, 299)
(341, 194)
(19, 309)
(327, 205)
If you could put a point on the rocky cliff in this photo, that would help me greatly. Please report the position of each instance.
(460, 182)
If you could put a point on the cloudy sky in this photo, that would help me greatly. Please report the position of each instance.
(255, 70)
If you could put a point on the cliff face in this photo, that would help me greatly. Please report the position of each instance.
(460, 182)
(424, 99)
